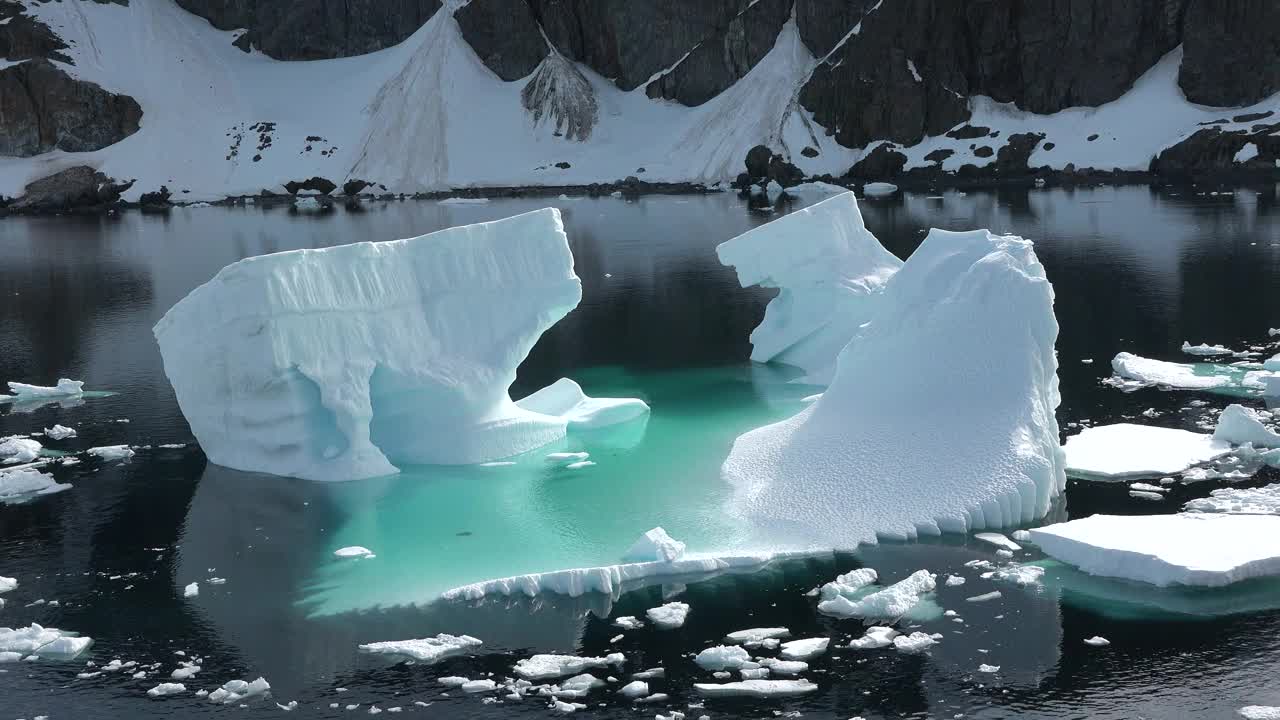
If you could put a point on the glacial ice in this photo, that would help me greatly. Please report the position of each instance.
(234, 691)
(64, 388)
(634, 689)
(756, 688)
(1141, 371)
(892, 602)
(7, 584)
(755, 635)
(1185, 549)
(332, 364)
(167, 689)
(997, 539)
(850, 467)
(830, 271)
(655, 546)
(427, 650)
(564, 399)
(191, 590)
(1125, 451)
(916, 642)
(877, 636)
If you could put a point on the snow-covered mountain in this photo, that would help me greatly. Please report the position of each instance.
(215, 98)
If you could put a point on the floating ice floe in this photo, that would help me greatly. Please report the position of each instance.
(892, 602)
(1097, 641)
(815, 189)
(755, 635)
(1020, 575)
(830, 271)
(985, 597)
(997, 539)
(634, 689)
(547, 666)
(167, 689)
(479, 686)
(112, 452)
(48, 643)
(1204, 349)
(1183, 549)
(1124, 451)
(191, 590)
(7, 584)
(655, 546)
(20, 484)
(985, 668)
(722, 657)
(669, 616)
(954, 580)
(1242, 501)
(804, 648)
(14, 449)
(565, 399)
(64, 388)
(59, 432)
(757, 688)
(1259, 712)
(878, 189)
(1243, 378)
(318, 355)
(354, 551)
(464, 201)
(235, 691)
(428, 650)
(784, 667)
(850, 467)
(1239, 425)
(914, 643)
(629, 622)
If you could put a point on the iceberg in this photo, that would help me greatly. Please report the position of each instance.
(1125, 451)
(902, 443)
(1184, 549)
(64, 388)
(564, 399)
(1204, 349)
(1239, 425)
(830, 271)
(332, 364)
(44, 642)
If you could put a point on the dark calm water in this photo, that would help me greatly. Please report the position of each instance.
(1134, 269)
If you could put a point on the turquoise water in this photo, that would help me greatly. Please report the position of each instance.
(434, 528)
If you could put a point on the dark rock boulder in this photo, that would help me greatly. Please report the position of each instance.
(1215, 150)
(77, 187)
(809, 151)
(724, 58)
(630, 41)
(352, 187)
(1012, 158)
(757, 161)
(984, 151)
(784, 172)
(42, 108)
(155, 197)
(318, 184)
(505, 34)
(968, 132)
(1231, 51)
(882, 163)
(937, 156)
(316, 29)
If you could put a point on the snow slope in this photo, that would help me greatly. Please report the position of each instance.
(940, 416)
(331, 364)
(831, 272)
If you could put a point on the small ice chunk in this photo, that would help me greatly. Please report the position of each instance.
(914, 643)
(1204, 349)
(59, 432)
(426, 650)
(236, 690)
(997, 539)
(634, 689)
(567, 707)
(1259, 712)
(453, 681)
(545, 666)
(65, 387)
(784, 667)
(755, 635)
(580, 465)
(565, 399)
(563, 456)
(354, 551)
(879, 189)
(655, 546)
(293, 705)
(877, 636)
(1097, 641)
(804, 648)
(1146, 495)
(1122, 451)
(1167, 374)
(757, 688)
(629, 622)
(1147, 487)
(722, 657)
(892, 602)
(7, 584)
(43, 642)
(650, 674)
(167, 689)
(1239, 425)
(1244, 501)
(757, 673)
(954, 580)
(669, 616)
(849, 585)
(993, 595)
(1020, 575)
(15, 449)
(479, 686)
(186, 672)
(191, 590)
(23, 483)
(112, 452)
(985, 668)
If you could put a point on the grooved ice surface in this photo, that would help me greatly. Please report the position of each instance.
(940, 416)
(333, 364)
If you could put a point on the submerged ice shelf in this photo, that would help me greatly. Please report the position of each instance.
(856, 464)
(333, 364)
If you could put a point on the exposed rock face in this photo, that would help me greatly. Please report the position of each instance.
(883, 162)
(505, 34)
(630, 41)
(1231, 53)
(76, 187)
(316, 29)
(559, 94)
(23, 37)
(324, 186)
(42, 108)
(722, 59)
(1216, 150)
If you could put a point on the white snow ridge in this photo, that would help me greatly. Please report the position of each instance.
(940, 416)
(332, 364)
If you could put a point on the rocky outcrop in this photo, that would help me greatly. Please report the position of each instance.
(1214, 150)
(630, 41)
(505, 34)
(1231, 52)
(316, 29)
(884, 162)
(559, 95)
(317, 184)
(725, 57)
(22, 37)
(42, 108)
(79, 187)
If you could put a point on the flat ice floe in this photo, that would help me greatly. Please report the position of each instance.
(1204, 349)
(1184, 549)
(112, 452)
(25, 483)
(1240, 379)
(44, 642)
(902, 444)
(1125, 451)
(426, 650)
(544, 667)
(757, 688)
(830, 271)
(1242, 501)
(64, 388)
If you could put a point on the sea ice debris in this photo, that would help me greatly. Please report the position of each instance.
(722, 657)
(426, 650)
(997, 539)
(18, 450)
(354, 551)
(914, 643)
(1097, 641)
(655, 546)
(1124, 451)
(877, 189)
(877, 636)
(59, 432)
(804, 648)
(23, 483)
(167, 689)
(669, 616)
(112, 452)
(545, 666)
(757, 688)
(65, 387)
(634, 689)
(1239, 425)
(755, 635)
(1204, 349)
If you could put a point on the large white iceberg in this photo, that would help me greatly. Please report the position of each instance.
(332, 364)
(940, 416)
(1125, 451)
(1183, 549)
(829, 270)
